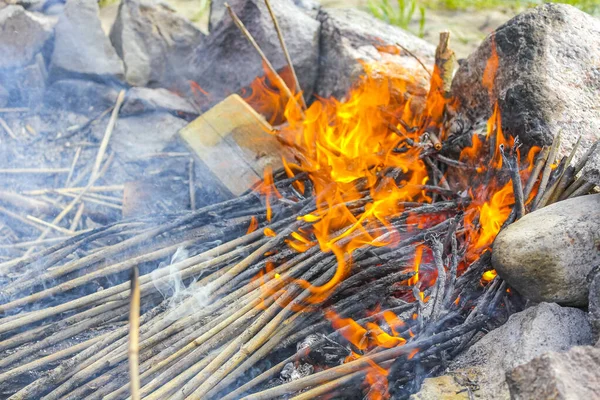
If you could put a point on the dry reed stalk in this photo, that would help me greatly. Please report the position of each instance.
(134, 335)
(188, 267)
(21, 171)
(365, 362)
(73, 164)
(539, 164)
(288, 59)
(77, 218)
(7, 129)
(547, 170)
(238, 22)
(57, 228)
(44, 361)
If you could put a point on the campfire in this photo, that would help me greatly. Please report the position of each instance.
(355, 257)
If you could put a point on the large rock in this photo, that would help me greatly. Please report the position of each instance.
(142, 100)
(526, 335)
(226, 62)
(141, 136)
(81, 48)
(591, 169)
(81, 96)
(22, 35)
(572, 375)
(350, 37)
(547, 79)
(153, 41)
(548, 254)
(218, 10)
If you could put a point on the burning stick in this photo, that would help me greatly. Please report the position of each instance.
(285, 51)
(512, 162)
(252, 41)
(445, 61)
(134, 327)
(547, 171)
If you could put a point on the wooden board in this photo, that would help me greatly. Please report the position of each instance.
(234, 142)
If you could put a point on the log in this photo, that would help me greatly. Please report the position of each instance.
(234, 142)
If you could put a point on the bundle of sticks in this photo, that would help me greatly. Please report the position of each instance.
(229, 325)
(220, 306)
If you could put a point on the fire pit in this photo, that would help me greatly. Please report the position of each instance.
(359, 220)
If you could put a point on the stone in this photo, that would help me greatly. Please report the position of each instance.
(141, 136)
(547, 80)
(591, 169)
(526, 335)
(572, 375)
(442, 387)
(23, 34)
(81, 49)
(141, 100)
(218, 10)
(594, 306)
(81, 96)
(4, 95)
(226, 62)
(548, 254)
(153, 41)
(350, 37)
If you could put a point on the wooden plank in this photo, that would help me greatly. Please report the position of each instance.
(234, 142)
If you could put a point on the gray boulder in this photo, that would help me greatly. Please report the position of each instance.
(572, 375)
(218, 10)
(4, 95)
(548, 254)
(547, 79)
(81, 96)
(226, 62)
(142, 100)
(349, 37)
(23, 34)
(140, 136)
(153, 41)
(81, 49)
(591, 169)
(526, 335)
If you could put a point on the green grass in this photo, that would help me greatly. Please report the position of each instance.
(400, 14)
(590, 6)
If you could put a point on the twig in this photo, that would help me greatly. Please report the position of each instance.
(94, 189)
(73, 164)
(547, 171)
(134, 328)
(512, 161)
(77, 218)
(9, 131)
(19, 171)
(17, 217)
(285, 51)
(583, 189)
(107, 134)
(539, 164)
(49, 225)
(410, 53)
(252, 41)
